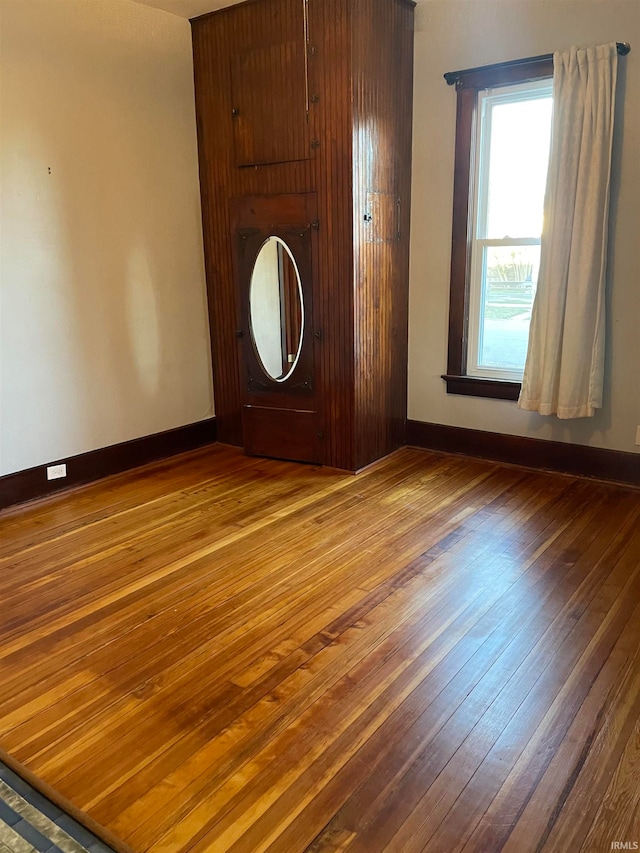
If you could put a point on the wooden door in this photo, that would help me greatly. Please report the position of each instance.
(274, 242)
(270, 90)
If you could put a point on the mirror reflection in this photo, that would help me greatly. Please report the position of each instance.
(275, 309)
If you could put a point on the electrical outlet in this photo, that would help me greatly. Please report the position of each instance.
(55, 472)
(638, 435)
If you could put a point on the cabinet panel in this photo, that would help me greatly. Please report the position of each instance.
(282, 433)
(269, 93)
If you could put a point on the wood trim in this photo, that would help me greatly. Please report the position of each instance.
(96, 464)
(223, 11)
(614, 465)
(502, 73)
(410, 3)
(461, 236)
(477, 386)
(58, 800)
(514, 70)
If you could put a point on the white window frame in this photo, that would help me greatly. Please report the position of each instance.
(487, 99)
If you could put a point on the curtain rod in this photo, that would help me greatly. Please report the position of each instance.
(452, 77)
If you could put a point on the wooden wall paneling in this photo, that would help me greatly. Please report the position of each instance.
(209, 77)
(382, 49)
(329, 76)
(263, 211)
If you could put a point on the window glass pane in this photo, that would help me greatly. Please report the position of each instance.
(518, 159)
(510, 274)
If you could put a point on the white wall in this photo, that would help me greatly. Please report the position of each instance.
(103, 323)
(456, 34)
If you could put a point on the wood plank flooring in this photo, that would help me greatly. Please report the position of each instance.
(219, 653)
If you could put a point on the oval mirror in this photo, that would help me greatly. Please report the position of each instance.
(276, 309)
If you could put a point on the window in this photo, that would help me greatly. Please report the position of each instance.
(502, 152)
(512, 156)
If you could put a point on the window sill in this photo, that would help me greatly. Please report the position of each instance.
(474, 386)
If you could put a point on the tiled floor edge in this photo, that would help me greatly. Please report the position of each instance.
(67, 808)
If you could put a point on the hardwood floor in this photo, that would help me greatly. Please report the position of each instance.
(218, 653)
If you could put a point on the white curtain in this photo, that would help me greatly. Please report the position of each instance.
(564, 366)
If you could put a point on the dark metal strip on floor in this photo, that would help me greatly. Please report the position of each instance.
(30, 822)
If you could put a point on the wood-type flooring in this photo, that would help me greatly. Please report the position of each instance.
(222, 653)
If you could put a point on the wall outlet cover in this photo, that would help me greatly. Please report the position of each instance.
(638, 435)
(55, 472)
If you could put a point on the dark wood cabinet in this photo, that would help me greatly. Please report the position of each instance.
(304, 133)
